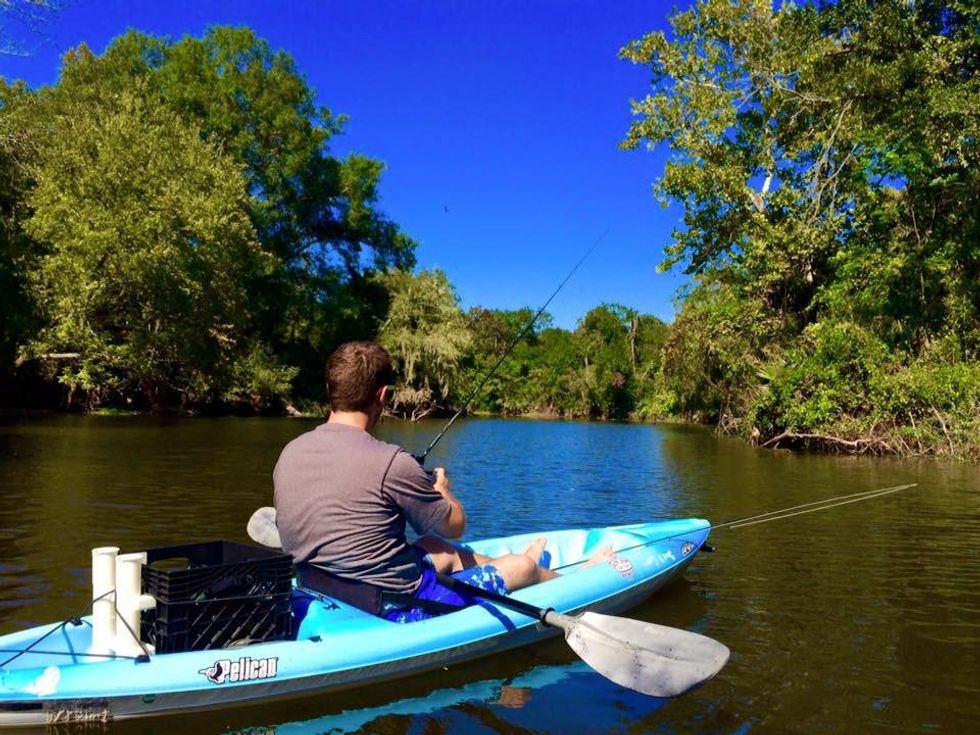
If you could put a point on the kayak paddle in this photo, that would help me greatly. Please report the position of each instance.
(645, 657)
(262, 528)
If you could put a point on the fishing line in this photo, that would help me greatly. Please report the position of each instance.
(420, 458)
(772, 515)
(779, 515)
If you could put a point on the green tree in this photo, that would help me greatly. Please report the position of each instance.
(558, 375)
(150, 253)
(506, 389)
(601, 370)
(606, 343)
(826, 158)
(425, 333)
(18, 255)
(315, 216)
(648, 335)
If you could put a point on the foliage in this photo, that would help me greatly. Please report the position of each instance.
(18, 257)
(600, 370)
(425, 334)
(150, 252)
(826, 158)
(842, 381)
(313, 219)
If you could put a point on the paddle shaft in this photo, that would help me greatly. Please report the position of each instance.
(420, 458)
(509, 602)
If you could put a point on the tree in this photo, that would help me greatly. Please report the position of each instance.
(314, 217)
(18, 256)
(150, 254)
(827, 160)
(494, 331)
(604, 341)
(425, 333)
(791, 131)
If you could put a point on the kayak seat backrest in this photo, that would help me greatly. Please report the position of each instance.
(325, 617)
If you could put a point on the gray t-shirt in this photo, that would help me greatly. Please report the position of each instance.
(342, 499)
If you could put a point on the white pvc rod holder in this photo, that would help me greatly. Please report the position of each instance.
(103, 609)
(130, 601)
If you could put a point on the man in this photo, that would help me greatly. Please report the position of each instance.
(343, 499)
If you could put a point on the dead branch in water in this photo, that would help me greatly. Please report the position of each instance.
(858, 446)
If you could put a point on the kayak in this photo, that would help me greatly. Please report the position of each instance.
(50, 674)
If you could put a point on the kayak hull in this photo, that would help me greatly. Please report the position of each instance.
(336, 646)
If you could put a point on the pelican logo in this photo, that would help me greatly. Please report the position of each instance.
(243, 669)
(687, 548)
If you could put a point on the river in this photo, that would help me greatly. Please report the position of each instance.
(863, 618)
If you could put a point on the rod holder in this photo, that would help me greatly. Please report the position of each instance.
(103, 607)
(130, 602)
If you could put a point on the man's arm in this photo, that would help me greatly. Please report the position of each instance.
(455, 523)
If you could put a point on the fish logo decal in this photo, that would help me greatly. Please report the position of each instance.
(215, 673)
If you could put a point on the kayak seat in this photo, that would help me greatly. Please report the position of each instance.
(318, 616)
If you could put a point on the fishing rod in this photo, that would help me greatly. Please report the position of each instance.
(773, 515)
(262, 525)
(420, 458)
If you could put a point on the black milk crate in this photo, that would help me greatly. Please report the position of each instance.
(216, 594)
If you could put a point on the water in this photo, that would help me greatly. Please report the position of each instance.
(863, 618)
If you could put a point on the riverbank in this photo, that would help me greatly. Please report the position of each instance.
(930, 439)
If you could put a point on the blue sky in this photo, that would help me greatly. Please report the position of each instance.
(499, 123)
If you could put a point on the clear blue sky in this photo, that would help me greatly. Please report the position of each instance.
(499, 123)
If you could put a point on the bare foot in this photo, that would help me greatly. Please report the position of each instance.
(603, 555)
(536, 549)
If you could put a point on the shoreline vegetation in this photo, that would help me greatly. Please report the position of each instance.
(176, 236)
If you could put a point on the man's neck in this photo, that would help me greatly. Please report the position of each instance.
(357, 419)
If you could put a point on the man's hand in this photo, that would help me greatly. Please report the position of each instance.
(456, 521)
(442, 483)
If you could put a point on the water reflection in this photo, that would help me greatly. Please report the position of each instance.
(449, 709)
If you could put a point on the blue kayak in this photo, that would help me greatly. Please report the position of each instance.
(336, 646)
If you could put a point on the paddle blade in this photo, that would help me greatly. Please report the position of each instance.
(262, 528)
(645, 657)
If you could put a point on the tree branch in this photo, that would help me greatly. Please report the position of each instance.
(47, 356)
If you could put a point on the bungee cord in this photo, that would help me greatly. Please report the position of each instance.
(74, 654)
(76, 621)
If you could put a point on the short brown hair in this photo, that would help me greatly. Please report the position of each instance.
(355, 372)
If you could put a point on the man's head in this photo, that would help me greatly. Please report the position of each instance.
(356, 373)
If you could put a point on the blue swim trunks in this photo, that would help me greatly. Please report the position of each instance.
(485, 577)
